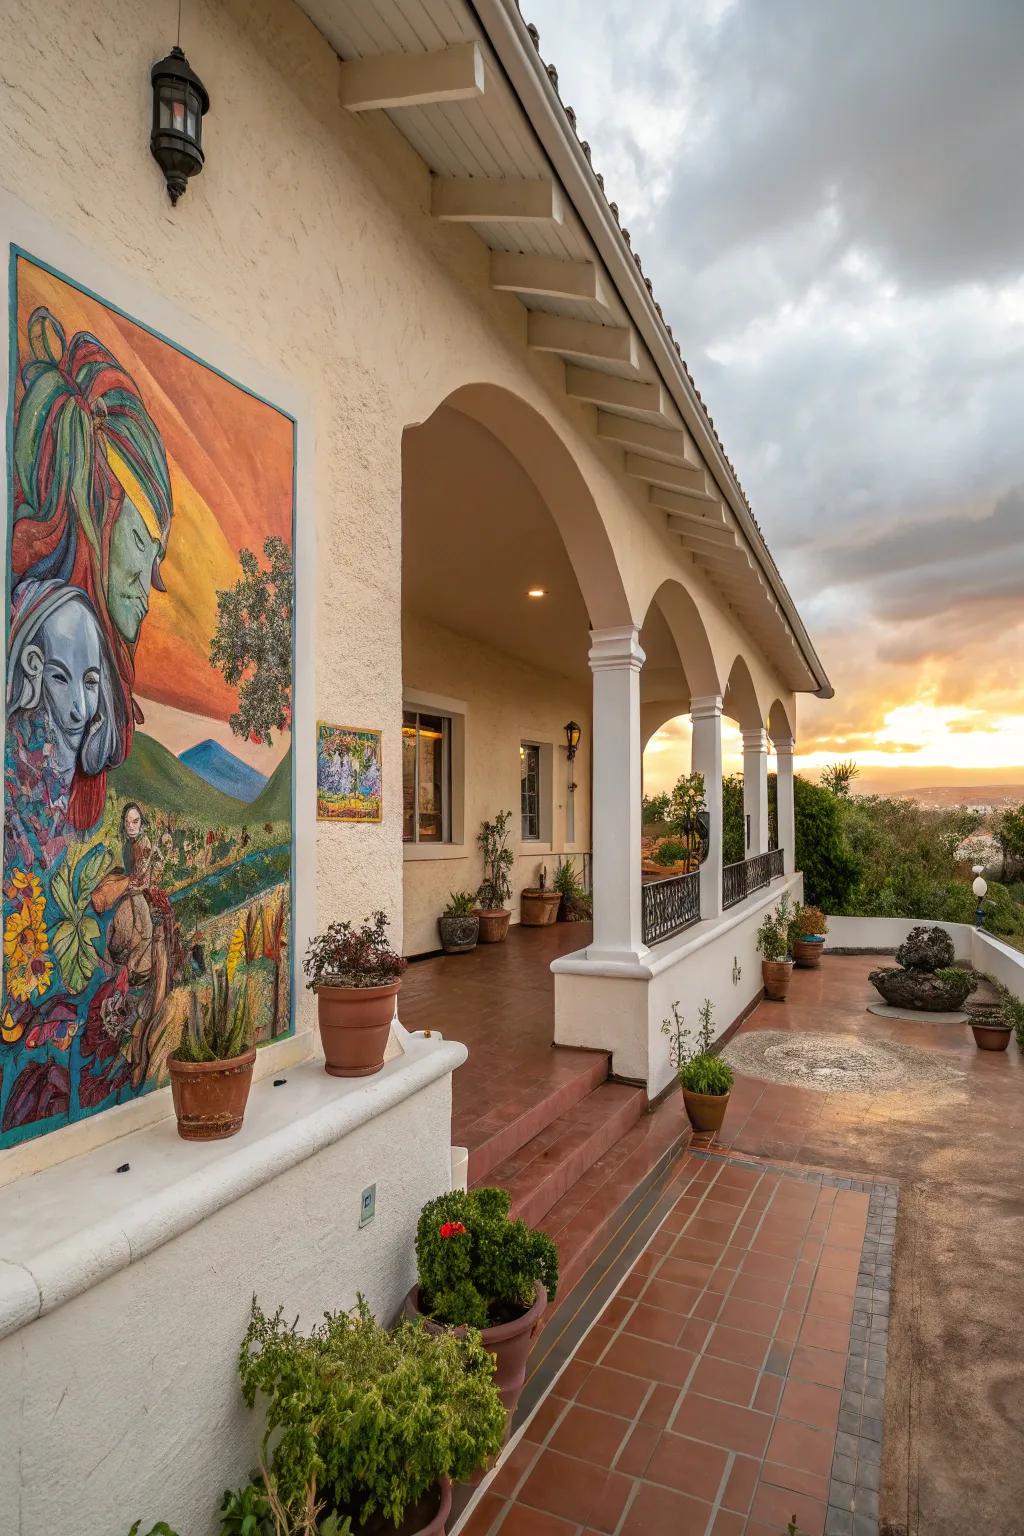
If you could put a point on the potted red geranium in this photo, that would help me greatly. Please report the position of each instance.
(356, 976)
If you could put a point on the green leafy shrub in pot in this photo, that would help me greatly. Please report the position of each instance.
(219, 1028)
(474, 1264)
(773, 934)
(496, 887)
(697, 1068)
(576, 904)
(366, 1421)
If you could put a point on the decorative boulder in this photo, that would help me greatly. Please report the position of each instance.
(926, 949)
(944, 992)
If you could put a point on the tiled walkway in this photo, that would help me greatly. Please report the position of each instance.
(706, 1401)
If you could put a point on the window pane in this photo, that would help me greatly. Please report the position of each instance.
(431, 766)
(408, 775)
(529, 787)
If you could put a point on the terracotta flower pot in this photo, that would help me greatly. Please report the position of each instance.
(509, 1343)
(990, 1036)
(808, 952)
(538, 908)
(776, 974)
(210, 1096)
(427, 1517)
(459, 934)
(706, 1111)
(494, 923)
(355, 1023)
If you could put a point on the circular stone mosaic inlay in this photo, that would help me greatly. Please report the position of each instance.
(835, 1063)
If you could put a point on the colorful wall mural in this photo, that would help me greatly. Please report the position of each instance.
(348, 773)
(148, 769)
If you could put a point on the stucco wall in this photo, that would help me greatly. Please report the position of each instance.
(124, 1402)
(507, 702)
(880, 933)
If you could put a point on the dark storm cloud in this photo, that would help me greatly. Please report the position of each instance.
(829, 199)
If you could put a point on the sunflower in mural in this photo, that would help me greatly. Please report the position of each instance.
(28, 966)
(25, 890)
(10, 1029)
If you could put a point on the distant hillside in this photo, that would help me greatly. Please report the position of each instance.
(154, 775)
(224, 770)
(274, 803)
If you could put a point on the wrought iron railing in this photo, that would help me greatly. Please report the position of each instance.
(740, 880)
(669, 906)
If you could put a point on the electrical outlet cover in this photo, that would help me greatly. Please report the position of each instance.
(368, 1205)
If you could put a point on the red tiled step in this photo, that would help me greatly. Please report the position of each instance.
(527, 1105)
(540, 1173)
(588, 1216)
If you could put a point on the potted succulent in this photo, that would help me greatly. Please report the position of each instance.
(459, 925)
(356, 976)
(773, 945)
(807, 931)
(368, 1424)
(992, 1024)
(576, 905)
(496, 887)
(538, 906)
(705, 1080)
(211, 1068)
(477, 1268)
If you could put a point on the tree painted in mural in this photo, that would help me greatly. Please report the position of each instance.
(138, 848)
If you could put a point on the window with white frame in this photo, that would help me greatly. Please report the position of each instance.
(530, 791)
(426, 777)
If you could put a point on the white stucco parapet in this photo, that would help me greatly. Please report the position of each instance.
(73, 1225)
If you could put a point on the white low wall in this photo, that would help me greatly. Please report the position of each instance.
(121, 1399)
(602, 1008)
(882, 933)
(1000, 961)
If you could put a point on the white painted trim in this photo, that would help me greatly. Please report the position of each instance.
(69, 1228)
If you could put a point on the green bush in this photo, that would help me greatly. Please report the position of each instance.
(823, 851)
(365, 1421)
(475, 1265)
(698, 1069)
(1013, 1013)
(671, 851)
(773, 936)
(734, 821)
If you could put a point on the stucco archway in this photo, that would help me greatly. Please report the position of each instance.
(741, 700)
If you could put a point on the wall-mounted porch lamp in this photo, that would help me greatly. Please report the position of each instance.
(180, 102)
(573, 732)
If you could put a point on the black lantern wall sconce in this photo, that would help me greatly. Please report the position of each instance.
(180, 102)
(573, 732)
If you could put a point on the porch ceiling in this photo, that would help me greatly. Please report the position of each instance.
(434, 67)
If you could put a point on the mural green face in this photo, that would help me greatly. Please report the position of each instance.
(132, 553)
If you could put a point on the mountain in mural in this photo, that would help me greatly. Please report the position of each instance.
(223, 770)
(152, 775)
(274, 802)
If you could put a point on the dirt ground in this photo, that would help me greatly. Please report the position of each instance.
(952, 1460)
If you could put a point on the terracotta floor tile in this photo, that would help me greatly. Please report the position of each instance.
(768, 1394)
(638, 1449)
(769, 1266)
(813, 1484)
(697, 1249)
(653, 1322)
(725, 1380)
(518, 1460)
(688, 1466)
(660, 1406)
(770, 1293)
(576, 1490)
(648, 1359)
(484, 1515)
(594, 1343)
(724, 1424)
(663, 1292)
(773, 1507)
(740, 1485)
(689, 1272)
(809, 1403)
(543, 1421)
(658, 1511)
(694, 1334)
(788, 1326)
(797, 1445)
(827, 1304)
(728, 1524)
(738, 1345)
(571, 1379)
(522, 1521)
(751, 1315)
(613, 1392)
(824, 1333)
(589, 1434)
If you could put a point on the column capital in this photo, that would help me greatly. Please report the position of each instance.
(705, 706)
(784, 746)
(756, 740)
(616, 649)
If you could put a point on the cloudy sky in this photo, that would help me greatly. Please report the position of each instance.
(829, 199)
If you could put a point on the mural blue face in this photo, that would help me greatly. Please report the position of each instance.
(69, 643)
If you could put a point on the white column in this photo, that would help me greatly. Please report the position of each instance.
(784, 791)
(615, 661)
(755, 791)
(706, 758)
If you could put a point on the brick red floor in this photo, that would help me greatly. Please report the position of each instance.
(706, 1398)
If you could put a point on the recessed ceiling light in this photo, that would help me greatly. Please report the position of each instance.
(537, 592)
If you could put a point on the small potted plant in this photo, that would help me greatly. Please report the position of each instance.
(773, 944)
(807, 931)
(706, 1080)
(211, 1068)
(477, 1268)
(538, 905)
(496, 887)
(992, 1024)
(459, 925)
(368, 1424)
(356, 976)
(576, 905)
